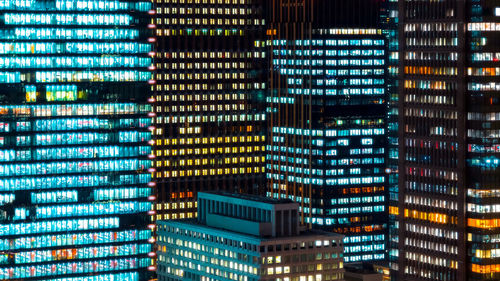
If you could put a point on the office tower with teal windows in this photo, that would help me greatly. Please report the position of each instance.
(327, 119)
(75, 179)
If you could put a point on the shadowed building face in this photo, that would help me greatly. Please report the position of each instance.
(449, 166)
(327, 112)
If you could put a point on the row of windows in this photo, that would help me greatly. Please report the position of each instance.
(319, 63)
(74, 62)
(218, 22)
(427, 70)
(66, 239)
(430, 113)
(64, 139)
(364, 248)
(83, 76)
(483, 209)
(206, 56)
(432, 231)
(483, 71)
(212, 32)
(58, 33)
(77, 152)
(328, 143)
(74, 109)
(66, 19)
(429, 85)
(207, 140)
(492, 86)
(292, 168)
(484, 193)
(75, 5)
(357, 210)
(72, 124)
(430, 27)
(330, 53)
(331, 42)
(73, 48)
(66, 225)
(483, 26)
(332, 72)
(121, 193)
(329, 133)
(490, 163)
(93, 209)
(207, 11)
(485, 57)
(347, 82)
(65, 268)
(211, 162)
(431, 42)
(220, 2)
(433, 260)
(81, 253)
(342, 220)
(73, 167)
(364, 238)
(30, 183)
(430, 245)
(329, 181)
(211, 172)
(129, 276)
(357, 200)
(211, 150)
(365, 257)
(431, 202)
(204, 86)
(448, 189)
(78, 76)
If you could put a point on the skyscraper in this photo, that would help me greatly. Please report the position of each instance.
(392, 160)
(327, 118)
(449, 140)
(209, 101)
(74, 167)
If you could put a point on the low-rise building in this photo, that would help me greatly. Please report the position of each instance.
(246, 238)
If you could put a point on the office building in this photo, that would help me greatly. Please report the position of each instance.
(449, 166)
(247, 238)
(74, 166)
(392, 160)
(327, 119)
(209, 101)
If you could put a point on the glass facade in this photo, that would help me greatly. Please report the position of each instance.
(327, 114)
(209, 101)
(74, 140)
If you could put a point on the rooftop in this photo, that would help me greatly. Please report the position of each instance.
(190, 223)
(250, 197)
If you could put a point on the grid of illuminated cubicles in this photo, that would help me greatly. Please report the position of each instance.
(339, 154)
(74, 179)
